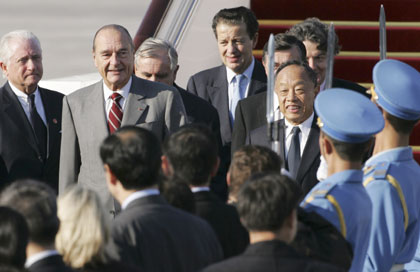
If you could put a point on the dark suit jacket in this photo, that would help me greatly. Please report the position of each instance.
(225, 222)
(270, 256)
(212, 86)
(50, 264)
(19, 152)
(310, 160)
(251, 112)
(154, 236)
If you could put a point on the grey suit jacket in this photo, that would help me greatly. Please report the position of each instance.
(150, 105)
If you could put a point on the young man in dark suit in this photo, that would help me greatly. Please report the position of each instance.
(239, 76)
(191, 156)
(149, 233)
(36, 201)
(267, 205)
(30, 119)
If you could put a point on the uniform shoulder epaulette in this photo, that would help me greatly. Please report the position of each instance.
(323, 189)
(381, 170)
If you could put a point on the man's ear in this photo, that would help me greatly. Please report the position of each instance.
(3, 68)
(255, 40)
(215, 167)
(110, 177)
(166, 166)
(175, 72)
(228, 178)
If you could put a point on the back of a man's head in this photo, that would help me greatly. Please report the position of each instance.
(193, 154)
(133, 155)
(36, 201)
(249, 160)
(266, 200)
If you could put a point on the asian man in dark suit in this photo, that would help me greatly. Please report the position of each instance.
(240, 76)
(36, 201)
(190, 156)
(296, 88)
(267, 205)
(30, 119)
(120, 99)
(149, 233)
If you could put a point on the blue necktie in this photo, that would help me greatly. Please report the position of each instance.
(238, 94)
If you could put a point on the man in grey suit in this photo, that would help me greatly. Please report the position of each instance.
(92, 113)
(149, 233)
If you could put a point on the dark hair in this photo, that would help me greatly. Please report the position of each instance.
(312, 29)
(354, 152)
(266, 200)
(116, 27)
(192, 152)
(133, 155)
(236, 16)
(283, 42)
(400, 125)
(309, 72)
(178, 194)
(248, 160)
(36, 201)
(14, 235)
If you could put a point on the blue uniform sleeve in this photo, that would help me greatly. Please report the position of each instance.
(324, 208)
(387, 234)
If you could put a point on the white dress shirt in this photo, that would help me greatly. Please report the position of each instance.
(200, 189)
(305, 129)
(39, 256)
(24, 101)
(137, 195)
(244, 82)
(124, 91)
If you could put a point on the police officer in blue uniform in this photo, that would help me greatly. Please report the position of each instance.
(391, 176)
(345, 138)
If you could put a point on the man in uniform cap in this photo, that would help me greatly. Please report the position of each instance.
(391, 176)
(345, 138)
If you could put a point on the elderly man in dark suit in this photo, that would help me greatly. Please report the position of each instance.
(94, 112)
(149, 233)
(36, 201)
(240, 76)
(267, 205)
(190, 156)
(296, 89)
(30, 119)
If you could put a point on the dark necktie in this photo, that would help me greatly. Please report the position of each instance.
(115, 114)
(293, 157)
(38, 126)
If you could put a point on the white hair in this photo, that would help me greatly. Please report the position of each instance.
(5, 50)
(151, 48)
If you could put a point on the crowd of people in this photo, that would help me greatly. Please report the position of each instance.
(135, 173)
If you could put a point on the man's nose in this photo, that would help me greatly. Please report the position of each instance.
(114, 59)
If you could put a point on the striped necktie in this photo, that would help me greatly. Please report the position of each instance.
(115, 114)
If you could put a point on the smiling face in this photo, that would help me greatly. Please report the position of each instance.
(235, 46)
(296, 94)
(113, 57)
(317, 60)
(24, 68)
(157, 68)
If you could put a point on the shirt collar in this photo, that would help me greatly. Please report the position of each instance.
(393, 154)
(247, 73)
(39, 256)
(137, 195)
(305, 126)
(21, 94)
(346, 176)
(200, 189)
(123, 91)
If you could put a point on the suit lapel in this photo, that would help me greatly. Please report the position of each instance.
(94, 110)
(135, 104)
(53, 124)
(14, 110)
(218, 93)
(311, 151)
(258, 82)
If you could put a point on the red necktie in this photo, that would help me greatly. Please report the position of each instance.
(115, 114)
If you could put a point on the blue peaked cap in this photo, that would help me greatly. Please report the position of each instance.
(348, 116)
(397, 88)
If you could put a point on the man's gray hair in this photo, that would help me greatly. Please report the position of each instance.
(151, 48)
(5, 50)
